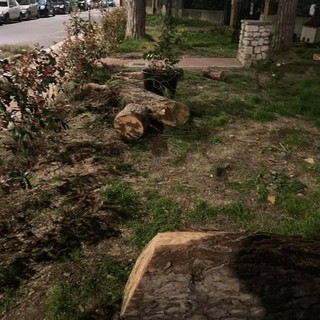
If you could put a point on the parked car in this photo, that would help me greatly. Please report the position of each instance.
(84, 5)
(103, 3)
(111, 3)
(61, 6)
(46, 8)
(10, 10)
(29, 9)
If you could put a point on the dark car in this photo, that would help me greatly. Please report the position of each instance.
(46, 8)
(61, 6)
(111, 3)
(83, 5)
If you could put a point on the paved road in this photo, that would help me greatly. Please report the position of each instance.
(45, 31)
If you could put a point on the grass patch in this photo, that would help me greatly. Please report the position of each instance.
(7, 50)
(10, 289)
(121, 197)
(182, 188)
(10, 298)
(198, 37)
(162, 215)
(203, 211)
(215, 42)
(42, 201)
(128, 169)
(98, 294)
(134, 45)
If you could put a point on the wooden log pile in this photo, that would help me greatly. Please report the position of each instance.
(141, 108)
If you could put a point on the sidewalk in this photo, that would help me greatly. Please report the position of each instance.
(191, 62)
(200, 63)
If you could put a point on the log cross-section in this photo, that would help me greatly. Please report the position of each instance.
(225, 276)
(132, 121)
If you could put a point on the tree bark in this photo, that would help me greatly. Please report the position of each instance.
(222, 276)
(284, 27)
(143, 108)
(135, 18)
(169, 112)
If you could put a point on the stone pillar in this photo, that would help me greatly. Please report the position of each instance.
(254, 41)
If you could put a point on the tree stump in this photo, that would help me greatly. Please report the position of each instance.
(225, 276)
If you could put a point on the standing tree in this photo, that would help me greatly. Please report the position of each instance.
(284, 27)
(135, 18)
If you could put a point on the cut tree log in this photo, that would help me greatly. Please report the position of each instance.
(142, 108)
(220, 275)
(169, 112)
(132, 121)
(214, 74)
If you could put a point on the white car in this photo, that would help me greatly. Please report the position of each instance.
(29, 9)
(10, 10)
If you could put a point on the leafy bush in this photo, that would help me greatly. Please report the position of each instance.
(113, 26)
(29, 84)
(83, 48)
(165, 53)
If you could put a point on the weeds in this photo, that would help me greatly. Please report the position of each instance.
(163, 215)
(7, 51)
(98, 294)
(121, 197)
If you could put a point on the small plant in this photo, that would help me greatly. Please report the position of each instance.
(277, 71)
(113, 26)
(203, 211)
(165, 215)
(97, 295)
(121, 196)
(84, 46)
(165, 54)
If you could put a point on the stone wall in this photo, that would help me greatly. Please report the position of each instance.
(254, 41)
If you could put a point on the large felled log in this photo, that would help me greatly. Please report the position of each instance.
(142, 107)
(218, 275)
(169, 112)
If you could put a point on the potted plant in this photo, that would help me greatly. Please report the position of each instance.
(162, 76)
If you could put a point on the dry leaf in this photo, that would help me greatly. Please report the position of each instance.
(272, 198)
(309, 160)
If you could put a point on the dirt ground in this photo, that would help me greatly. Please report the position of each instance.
(64, 213)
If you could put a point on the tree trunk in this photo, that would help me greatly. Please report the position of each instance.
(143, 108)
(135, 18)
(222, 276)
(169, 112)
(285, 23)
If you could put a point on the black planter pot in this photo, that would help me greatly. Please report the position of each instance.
(162, 82)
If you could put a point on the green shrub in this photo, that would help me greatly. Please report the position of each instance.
(113, 26)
